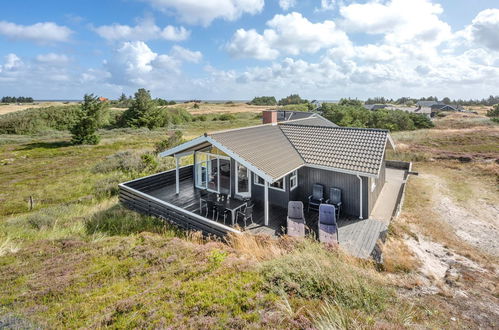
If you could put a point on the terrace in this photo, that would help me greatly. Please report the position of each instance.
(157, 195)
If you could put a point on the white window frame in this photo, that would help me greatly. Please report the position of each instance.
(236, 179)
(294, 175)
(270, 185)
(218, 157)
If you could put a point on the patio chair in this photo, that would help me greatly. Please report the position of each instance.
(328, 228)
(335, 199)
(296, 219)
(317, 197)
(220, 210)
(246, 214)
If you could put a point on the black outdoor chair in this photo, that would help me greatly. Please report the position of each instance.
(327, 227)
(295, 219)
(246, 214)
(335, 199)
(221, 211)
(317, 197)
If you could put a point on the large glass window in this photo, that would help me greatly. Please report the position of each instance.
(201, 170)
(212, 172)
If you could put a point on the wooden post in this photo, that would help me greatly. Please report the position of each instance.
(31, 203)
(266, 204)
(177, 176)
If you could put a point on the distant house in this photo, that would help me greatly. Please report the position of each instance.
(433, 107)
(103, 99)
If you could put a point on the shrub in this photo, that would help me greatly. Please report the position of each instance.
(33, 121)
(263, 100)
(226, 116)
(195, 106)
(133, 163)
(107, 187)
(292, 99)
(172, 141)
(494, 112)
(143, 112)
(358, 116)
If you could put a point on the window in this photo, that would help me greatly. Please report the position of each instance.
(278, 185)
(293, 180)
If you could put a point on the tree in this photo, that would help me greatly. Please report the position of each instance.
(89, 120)
(292, 99)
(264, 100)
(353, 102)
(143, 111)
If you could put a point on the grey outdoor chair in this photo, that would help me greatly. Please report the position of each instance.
(296, 219)
(335, 199)
(328, 227)
(317, 197)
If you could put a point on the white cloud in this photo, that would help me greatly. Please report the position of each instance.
(249, 43)
(186, 54)
(145, 30)
(400, 21)
(203, 12)
(286, 4)
(11, 62)
(135, 63)
(484, 29)
(287, 34)
(42, 33)
(328, 4)
(52, 58)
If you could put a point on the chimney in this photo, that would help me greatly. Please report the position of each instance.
(270, 117)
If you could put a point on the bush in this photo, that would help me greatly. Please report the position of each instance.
(226, 116)
(297, 107)
(172, 141)
(195, 106)
(358, 116)
(292, 99)
(263, 100)
(33, 121)
(133, 163)
(107, 187)
(494, 112)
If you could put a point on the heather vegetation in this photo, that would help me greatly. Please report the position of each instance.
(77, 259)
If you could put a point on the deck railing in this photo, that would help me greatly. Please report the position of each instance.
(133, 194)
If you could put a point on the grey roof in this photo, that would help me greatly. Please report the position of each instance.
(275, 150)
(315, 120)
(351, 149)
(265, 147)
(428, 103)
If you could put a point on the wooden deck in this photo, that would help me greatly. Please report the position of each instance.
(356, 237)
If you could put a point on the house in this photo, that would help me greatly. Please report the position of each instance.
(433, 107)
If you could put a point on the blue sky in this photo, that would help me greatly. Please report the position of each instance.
(228, 49)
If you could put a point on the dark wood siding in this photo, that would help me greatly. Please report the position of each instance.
(276, 197)
(348, 183)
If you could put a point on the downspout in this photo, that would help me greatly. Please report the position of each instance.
(360, 183)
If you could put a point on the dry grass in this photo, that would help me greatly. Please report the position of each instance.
(8, 108)
(398, 257)
(260, 247)
(218, 108)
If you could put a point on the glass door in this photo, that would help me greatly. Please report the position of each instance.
(212, 173)
(224, 175)
(243, 184)
(201, 170)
